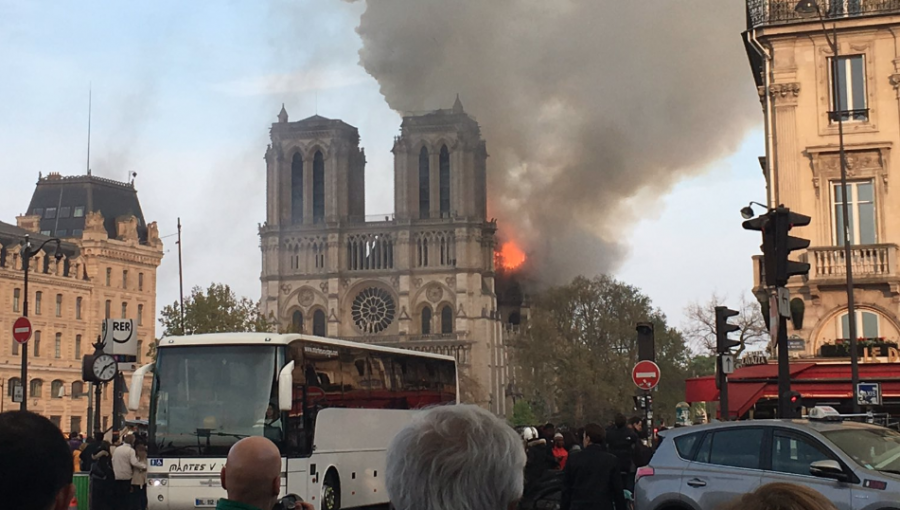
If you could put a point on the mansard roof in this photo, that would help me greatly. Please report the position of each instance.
(64, 194)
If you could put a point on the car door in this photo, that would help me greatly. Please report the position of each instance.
(726, 466)
(790, 454)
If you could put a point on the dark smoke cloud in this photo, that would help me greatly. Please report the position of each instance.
(583, 104)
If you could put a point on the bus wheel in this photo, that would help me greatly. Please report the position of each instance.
(331, 492)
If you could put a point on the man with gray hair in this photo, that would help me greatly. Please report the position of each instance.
(455, 457)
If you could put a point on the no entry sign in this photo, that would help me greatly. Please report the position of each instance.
(645, 375)
(22, 330)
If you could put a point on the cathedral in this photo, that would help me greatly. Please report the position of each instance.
(422, 278)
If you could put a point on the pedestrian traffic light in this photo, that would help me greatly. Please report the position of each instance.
(723, 343)
(785, 244)
(639, 402)
(765, 224)
(794, 404)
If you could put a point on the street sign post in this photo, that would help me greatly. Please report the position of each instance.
(727, 363)
(784, 301)
(868, 394)
(17, 393)
(22, 330)
(645, 375)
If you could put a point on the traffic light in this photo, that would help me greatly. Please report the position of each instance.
(795, 404)
(723, 343)
(765, 224)
(785, 244)
(645, 341)
(639, 402)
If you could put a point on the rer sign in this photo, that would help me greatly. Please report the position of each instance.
(119, 337)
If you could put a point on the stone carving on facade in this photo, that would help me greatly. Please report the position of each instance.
(417, 282)
(93, 222)
(285, 288)
(434, 293)
(306, 296)
(403, 315)
(324, 287)
(152, 233)
(859, 163)
(345, 283)
(395, 281)
(461, 312)
(332, 316)
(895, 80)
(451, 281)
(783, 93)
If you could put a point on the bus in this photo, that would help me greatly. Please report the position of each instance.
(331, 407)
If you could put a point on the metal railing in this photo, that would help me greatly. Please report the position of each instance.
(773, 12)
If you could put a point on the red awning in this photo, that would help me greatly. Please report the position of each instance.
(741, 397)
(700, 389)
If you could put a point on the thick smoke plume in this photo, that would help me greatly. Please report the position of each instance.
(584, 105)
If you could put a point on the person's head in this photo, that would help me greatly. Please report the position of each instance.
(98, 436)
(252, 472)
(781, 496)
(594, 434)
(455, 457)
(105, 445)
(568, 439)
(549, 430)
(129, 439)
(619, 421)
(559, 440)
(635, 423)
(36, 464)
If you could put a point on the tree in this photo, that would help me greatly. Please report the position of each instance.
(702, 365)
(523, 414)
(215, 310)
(576, 354)
(700, 329)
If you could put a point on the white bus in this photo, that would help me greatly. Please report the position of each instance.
(331, 406)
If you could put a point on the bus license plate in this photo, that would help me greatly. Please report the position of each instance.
(204, 503)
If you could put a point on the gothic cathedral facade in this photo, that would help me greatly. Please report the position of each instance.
(421, 279)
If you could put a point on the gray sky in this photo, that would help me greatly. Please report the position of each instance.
(183, 94)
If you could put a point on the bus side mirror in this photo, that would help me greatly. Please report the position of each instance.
(286, 388)
(137, 386)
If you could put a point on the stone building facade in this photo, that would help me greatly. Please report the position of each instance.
(112, 274)
(792, 63)
(421, 278)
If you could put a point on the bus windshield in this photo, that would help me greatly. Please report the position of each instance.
(206, 398)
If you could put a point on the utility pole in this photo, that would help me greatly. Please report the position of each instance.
(180, 281)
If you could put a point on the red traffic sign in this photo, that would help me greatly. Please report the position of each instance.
(645, 375)
(22, 330)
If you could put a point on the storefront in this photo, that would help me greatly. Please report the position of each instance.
(753, 390)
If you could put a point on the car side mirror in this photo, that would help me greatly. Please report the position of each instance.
(828, 469)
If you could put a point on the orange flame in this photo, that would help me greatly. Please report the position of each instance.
(511, 256)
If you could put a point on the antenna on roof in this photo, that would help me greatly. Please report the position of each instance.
(89, 131)
(317, 102)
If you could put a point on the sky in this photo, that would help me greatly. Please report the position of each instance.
(183, 93)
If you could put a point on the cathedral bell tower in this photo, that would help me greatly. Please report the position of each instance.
(439, 167)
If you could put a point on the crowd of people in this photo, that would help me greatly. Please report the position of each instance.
(448, 458)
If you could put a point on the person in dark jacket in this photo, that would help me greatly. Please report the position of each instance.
(622, 442)
(591, 478)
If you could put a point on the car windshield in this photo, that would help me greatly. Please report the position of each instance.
(207, 398)
(872, 448)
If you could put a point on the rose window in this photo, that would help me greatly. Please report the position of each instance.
(373, 310)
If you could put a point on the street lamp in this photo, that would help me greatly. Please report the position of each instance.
(747, 212)
(27, 253)
(808, 8)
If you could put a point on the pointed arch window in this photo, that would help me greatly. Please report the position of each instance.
(426, 321)
(319, 323)
(297, 188)
(424, 184)
(446, 320)
(445, 181)
(297, 322)
(318, 187)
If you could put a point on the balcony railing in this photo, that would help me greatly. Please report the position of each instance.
(775, 12)
(872, 260)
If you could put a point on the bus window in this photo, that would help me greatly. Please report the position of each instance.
(357, 377)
